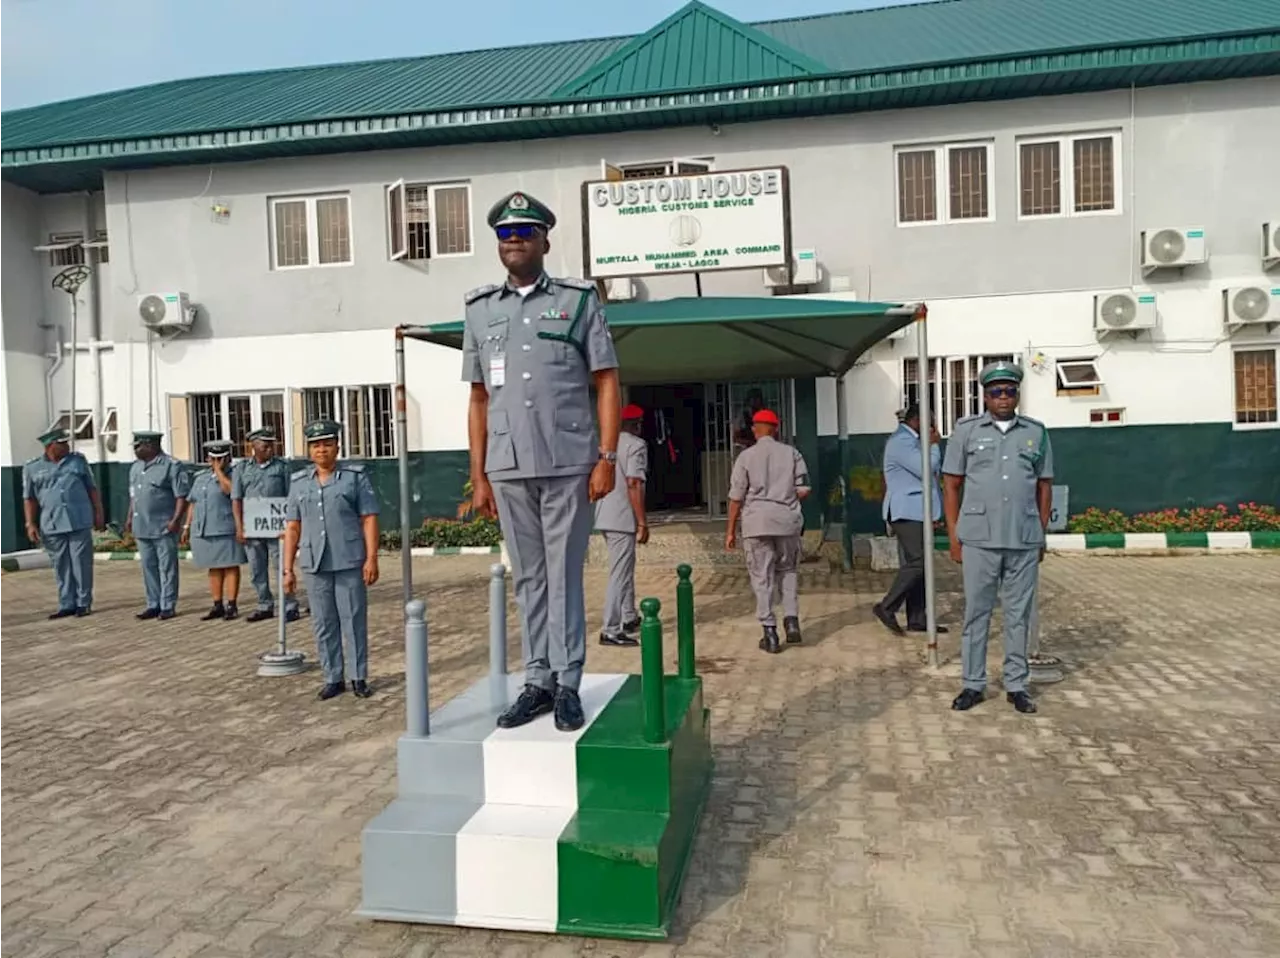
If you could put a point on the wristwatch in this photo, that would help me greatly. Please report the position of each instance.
(608, 456)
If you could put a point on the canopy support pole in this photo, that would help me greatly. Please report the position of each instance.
(842, 437)
(402, 452)
(927, 481)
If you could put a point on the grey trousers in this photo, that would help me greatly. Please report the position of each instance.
(339, 609)
(159, 557)
(547, 527)
(1013, 575)
(620, 594)
(772, 562)
(71, 555)
(261, 553)
(908, 585)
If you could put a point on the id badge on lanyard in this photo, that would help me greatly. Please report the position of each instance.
(498, 366)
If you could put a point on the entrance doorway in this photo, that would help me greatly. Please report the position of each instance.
(695, 431)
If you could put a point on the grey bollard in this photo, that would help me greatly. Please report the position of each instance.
(498, 633)
(417, 714)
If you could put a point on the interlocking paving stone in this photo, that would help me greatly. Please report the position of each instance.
(160, 799)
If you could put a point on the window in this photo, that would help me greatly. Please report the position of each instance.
(368, 423)
(1078, 377)
(1106, 417)
(310, 231)
(232, 416)
(1069, 175)
(652, 169)
(1255, 386)
(111, 430)
(64, 249)
(944, 184)
(426, 221)
(84, 423)
(960, 394)
(99, 246)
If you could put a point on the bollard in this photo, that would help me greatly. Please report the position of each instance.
(417, 721)
(684, 621)
(498, 633)
(655, 720)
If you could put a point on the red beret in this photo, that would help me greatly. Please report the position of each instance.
(632, 411)
(766, 416)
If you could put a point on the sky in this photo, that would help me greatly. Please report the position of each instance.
(59, 49)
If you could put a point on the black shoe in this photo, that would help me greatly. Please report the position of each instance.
(619, 640)
(631, 628)
(361, 689)
(62, 613)
(259, 615)
(293, 615)
(531, 703)
(1022, 702)
(939, 629)
(791, 626)
(967, 700)
(887, 619)
(148, 614)
(217, 612)
(330, 689)
(81, 613)
(167, 614)
(568, 709)
(769, 641)
(231, 613)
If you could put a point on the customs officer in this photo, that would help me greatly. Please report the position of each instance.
(1004, 463)
(533, 348)
(768, 482)
(333, 515)
(158, 490)
(211, 527)
(620, 518)
(58, 490)
(262, 476)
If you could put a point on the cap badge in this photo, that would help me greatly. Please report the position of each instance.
(518, 202)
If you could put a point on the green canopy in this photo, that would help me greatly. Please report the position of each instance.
(724, 338)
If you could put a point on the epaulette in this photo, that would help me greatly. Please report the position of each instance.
(572, 282)
(353, 466)
(33, 460)
(964, 419)
(300, 474)
(481, 292)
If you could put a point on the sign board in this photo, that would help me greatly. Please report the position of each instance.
(1058, 512)
(697, 223)
(264, 518)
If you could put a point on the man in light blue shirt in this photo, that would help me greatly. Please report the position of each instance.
(903, 512)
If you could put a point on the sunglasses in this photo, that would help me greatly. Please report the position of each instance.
(522, 231)
(1003, 392)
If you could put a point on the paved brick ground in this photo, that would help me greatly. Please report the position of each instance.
(159, 800)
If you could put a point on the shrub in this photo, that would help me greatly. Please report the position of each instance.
(448, 533)
(1247, 517)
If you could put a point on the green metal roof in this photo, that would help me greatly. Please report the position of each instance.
(923, 54)
(719, 338)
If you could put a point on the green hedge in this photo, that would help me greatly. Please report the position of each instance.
(1246, 517)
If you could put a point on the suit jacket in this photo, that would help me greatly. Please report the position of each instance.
(902, 480)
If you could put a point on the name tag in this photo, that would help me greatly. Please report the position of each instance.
(497, 368)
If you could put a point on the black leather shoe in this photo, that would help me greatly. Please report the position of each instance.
(62, 613)
(939, 629)
(887, 619)
(791, 626)
(1022, 702)
(967, 700)
(81, 613)
(361, 689)
(631, 628)
(568, 709)
(330, 689)
(148, 614)
(166, 614)
(769, 641)
(293, 615)
(531, 703)
(217, 612)
(231, 613)
(259, 615)
(619, 640)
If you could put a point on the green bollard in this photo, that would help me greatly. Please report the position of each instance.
(655, 719)
(684, 621)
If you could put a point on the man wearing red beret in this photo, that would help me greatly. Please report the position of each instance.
(768, 482)
(620, 518)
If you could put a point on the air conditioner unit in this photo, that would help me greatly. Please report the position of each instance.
(1124, 312)
(1173, 248)
(166, 311)
(1245, 305)
(804, 270)
(1271, 243)
(619, 289)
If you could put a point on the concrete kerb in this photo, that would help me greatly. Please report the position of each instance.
(39, 559)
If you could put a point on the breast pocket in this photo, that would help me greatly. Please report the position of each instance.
(981, 453)
(573, 443)
(973, 525)
(500, 452)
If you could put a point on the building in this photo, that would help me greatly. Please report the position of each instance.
(1034, 170)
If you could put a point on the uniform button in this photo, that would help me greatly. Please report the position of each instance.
(1004, 477)
(528, 403)
(526, 375)
(1004, 457)
(526, 347)
(526, 320)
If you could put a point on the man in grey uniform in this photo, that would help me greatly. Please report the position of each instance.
(768, 482)
(262, 476)
(1005, 464)
(333, 514)
(533, 348)
(620, 519)
(158, 490)
(62, 506)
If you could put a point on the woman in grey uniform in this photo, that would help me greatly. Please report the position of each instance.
(211, 526)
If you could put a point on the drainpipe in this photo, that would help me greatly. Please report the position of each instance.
(95, 329)
(51, 372)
